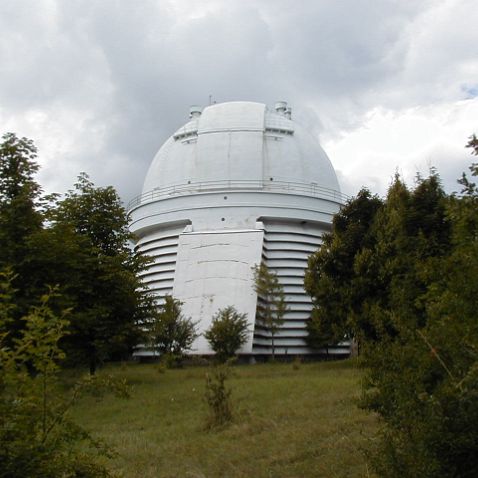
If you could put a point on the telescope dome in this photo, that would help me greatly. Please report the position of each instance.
(240, 141)
(238, 185)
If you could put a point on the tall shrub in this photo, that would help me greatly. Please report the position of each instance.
(227, 333)
(37, 438)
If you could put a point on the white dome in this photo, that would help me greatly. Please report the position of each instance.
(236, 186)
(240, 141)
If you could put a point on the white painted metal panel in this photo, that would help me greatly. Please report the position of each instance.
(213, 271)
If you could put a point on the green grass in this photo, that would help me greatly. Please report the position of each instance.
(287, 423)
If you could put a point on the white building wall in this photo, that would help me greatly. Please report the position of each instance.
(162, 247)
(214, 271)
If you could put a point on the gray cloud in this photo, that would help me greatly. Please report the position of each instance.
(100, 85)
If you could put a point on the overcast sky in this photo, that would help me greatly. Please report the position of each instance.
(386, 85)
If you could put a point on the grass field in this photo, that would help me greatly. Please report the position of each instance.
(288, 422)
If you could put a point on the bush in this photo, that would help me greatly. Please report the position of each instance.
(228, 332)
(218, 397)
(170, 333)
(400, 278)
(37, 439)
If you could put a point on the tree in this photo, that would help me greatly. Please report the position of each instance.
(227, 333)
(422, 375)
(271, 304)
(409, 289)
(103, 286)
(19, 195)
(320, 334)
(473, 144)
(401, 276)
(37, 438)
(338, 276)
(170, 333)
(19, 217)
(81, 245)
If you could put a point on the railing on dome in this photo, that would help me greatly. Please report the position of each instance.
(306, 189)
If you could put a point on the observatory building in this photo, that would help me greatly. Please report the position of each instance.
(236, 185)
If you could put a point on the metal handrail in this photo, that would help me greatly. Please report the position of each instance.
(306, 189)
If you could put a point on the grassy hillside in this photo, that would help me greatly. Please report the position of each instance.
(288, 423)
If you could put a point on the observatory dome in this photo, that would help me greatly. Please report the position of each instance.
(241, 141)
(237, 185)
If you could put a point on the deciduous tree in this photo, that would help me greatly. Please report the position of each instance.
(108, 302)
(417, 323)
(170, 332)
(19, 217)
(37, 436)
(227, 333)
(338, 276)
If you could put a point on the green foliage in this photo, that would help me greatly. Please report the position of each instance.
(169, 332)
(98, 214)
(81, 246)
(218, 397)
(19, 195)
(37, 439)
(271, 304)
(98, 273)
(19, 219)
(473, 144)
(338, 278)
(409, 289)
(412, 356)
(227, 333)
(320, 333)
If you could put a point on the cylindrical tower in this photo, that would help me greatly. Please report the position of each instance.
(236, 185)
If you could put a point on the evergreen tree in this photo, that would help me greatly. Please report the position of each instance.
(422, 378)
(271, 304)
(320, 334)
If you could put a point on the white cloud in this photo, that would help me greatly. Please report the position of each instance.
(408, 141)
